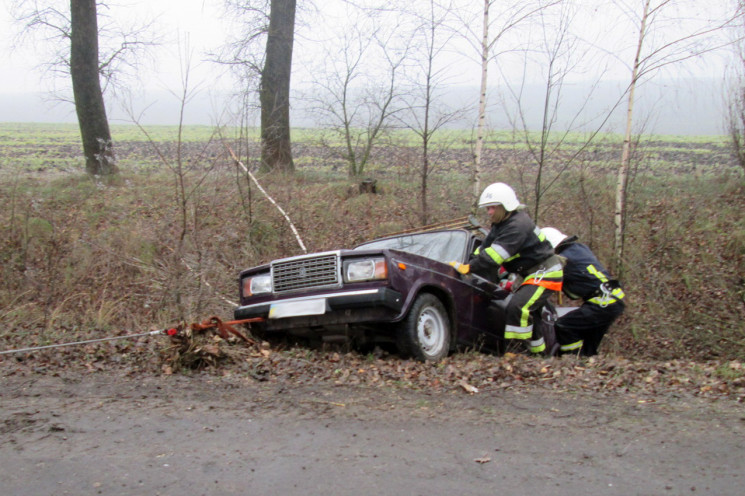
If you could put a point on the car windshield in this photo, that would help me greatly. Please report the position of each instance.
(443, 246)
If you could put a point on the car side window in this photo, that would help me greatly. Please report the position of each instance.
(476, 244)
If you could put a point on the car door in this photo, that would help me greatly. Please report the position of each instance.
(487, 317)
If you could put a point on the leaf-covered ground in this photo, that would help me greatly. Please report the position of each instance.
(466, 372)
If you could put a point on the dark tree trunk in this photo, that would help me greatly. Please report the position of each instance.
(86, 87)
(276, 152)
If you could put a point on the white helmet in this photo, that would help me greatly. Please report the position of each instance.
(554, 236)
(499, 194)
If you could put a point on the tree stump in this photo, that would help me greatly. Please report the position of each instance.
(369, 186)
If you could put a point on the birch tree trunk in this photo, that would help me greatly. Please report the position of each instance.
(623, 169)
(482, 109)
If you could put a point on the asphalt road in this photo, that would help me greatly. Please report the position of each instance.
(112, 435)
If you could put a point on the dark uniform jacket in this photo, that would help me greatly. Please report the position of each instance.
(582, 271)
(515, 243)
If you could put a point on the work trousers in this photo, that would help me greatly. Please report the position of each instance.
(582, 330)
(523, 308)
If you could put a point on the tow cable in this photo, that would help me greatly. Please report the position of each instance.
(224, 329)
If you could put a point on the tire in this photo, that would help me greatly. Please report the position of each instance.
(425, 332)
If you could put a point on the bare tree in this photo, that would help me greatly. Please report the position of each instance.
(667, 33)
(557, 53)
(276, 151)
(263, 52)
(426, 113)
(73, 33)
(485, 48)
(736, 124)
(736, 97)
(189, 184)
(86, 87)
(349, 98)
(494, 27)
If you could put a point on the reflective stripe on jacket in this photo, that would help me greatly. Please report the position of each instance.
(515, 243)
(585, 277)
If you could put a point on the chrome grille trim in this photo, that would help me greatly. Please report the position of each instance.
(298, 273)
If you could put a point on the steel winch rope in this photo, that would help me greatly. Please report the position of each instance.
(76, 343)
(224, 329)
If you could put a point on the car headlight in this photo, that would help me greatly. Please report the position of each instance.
(257, 285)
(366, 269)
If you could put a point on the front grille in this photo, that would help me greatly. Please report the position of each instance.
(304, 273)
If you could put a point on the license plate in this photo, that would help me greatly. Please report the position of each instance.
(297, 308)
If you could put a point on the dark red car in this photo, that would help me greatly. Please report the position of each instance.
(395, 290)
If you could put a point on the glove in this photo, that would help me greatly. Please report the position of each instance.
(462, 268)
(506, 284)
(510, 283)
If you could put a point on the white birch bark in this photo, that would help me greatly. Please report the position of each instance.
(623, 169)
(482, 108)
(271, 200)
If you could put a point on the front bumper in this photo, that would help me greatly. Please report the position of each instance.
(341, 307)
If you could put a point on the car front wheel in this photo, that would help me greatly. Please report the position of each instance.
(425, 333)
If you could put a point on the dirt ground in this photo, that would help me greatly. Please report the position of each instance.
(117, 434)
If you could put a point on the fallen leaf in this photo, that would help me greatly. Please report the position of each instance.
(211, 349)
(468, 388)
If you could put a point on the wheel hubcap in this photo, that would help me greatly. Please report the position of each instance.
(431, 330)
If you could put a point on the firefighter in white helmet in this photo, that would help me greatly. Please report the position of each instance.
(515, 243)
(581, 330)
